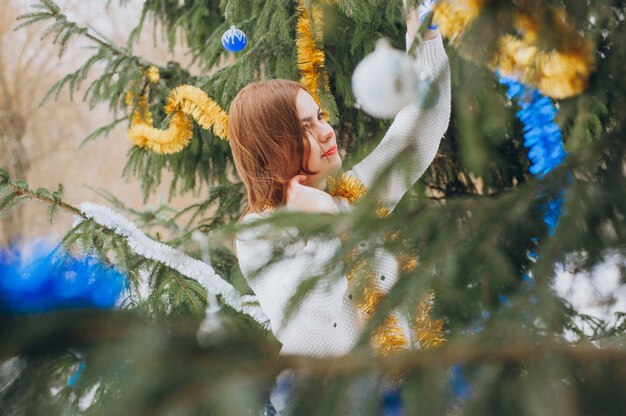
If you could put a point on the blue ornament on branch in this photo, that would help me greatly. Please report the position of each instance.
(52, 282)
(234, 40)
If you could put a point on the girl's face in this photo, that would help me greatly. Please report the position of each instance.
(324, 156)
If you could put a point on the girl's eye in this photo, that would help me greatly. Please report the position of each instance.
(322, 116)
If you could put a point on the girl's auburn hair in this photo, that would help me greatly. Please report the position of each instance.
(268, 140)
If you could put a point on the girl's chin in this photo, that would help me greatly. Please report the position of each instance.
(334, 167)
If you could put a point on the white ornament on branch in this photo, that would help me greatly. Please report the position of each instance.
(384, 81)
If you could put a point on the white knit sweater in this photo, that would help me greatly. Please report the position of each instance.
(327, 322)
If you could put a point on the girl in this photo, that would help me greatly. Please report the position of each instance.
(284, 152)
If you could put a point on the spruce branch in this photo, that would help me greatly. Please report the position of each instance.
(184, 286)
(119, 59)
(55, 332)
(15, 191)
(520, 350)
(63, 29)
(102, 131)
(164, 215)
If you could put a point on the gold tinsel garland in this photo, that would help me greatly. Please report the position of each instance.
(453, 17)
(153, 75)
(174, 139)
(388, 337)
(196, 103)
(142, 114)
(347, 187)
(428, 332)
(311, 59)
(183, 102)
(555, 73)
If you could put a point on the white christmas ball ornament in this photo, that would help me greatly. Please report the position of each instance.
(385, 81)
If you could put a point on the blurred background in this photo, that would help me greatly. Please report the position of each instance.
(41, 144)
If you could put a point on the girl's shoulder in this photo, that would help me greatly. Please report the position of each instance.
(254, 216)
(248, 231)
(264, 230)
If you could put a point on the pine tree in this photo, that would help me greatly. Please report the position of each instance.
(475, 222)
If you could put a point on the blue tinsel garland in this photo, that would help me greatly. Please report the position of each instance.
(542, 137)
(52, 282)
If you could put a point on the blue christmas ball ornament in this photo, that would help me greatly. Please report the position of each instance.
(234, 40)
(34, 280)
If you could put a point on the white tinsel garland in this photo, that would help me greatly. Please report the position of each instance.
(181, 262)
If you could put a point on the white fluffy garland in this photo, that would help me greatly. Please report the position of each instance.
(181, 262)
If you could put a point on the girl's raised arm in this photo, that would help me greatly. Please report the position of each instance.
(411, 142)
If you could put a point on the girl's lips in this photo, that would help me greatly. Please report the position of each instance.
(331, 151)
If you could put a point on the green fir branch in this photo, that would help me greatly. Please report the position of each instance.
(16, 191)
(118, 60)
(163, 216)
(91, 237)
(101, 131)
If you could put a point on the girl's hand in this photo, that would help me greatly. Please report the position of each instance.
(425, 8)
(416, 15)
(308, 199)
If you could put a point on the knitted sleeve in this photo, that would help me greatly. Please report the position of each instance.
(411, 142)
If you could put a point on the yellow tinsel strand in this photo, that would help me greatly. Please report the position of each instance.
(173, 140)
(409, 265)
(370, 299)
(311, 59)
(388, 337)
(183, 102)
(382, 212)
(142, 114)
(352, 189)
(564, 75)
(153, 74)
(454, 17)
(196, 103)
(347, 187)
(556, 73)
(408, 261)
(428, 332)
(129, 97)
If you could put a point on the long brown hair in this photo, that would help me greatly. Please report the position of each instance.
(268, 140)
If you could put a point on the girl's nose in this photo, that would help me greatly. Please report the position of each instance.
(326, 134)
